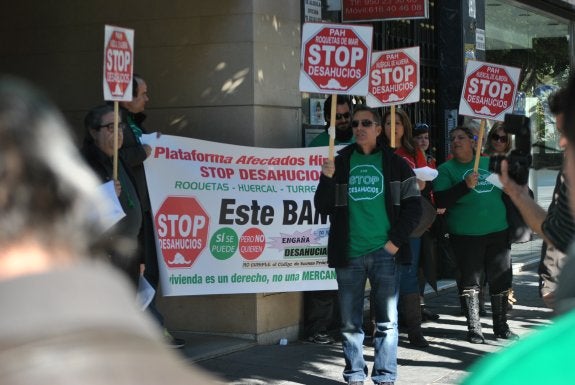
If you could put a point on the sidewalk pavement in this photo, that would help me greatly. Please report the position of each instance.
(445, 361)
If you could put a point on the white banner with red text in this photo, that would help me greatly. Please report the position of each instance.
(234, 219)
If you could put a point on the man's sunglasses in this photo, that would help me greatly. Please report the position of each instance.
(364, 123)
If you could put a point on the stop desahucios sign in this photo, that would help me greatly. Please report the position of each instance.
(118, 63)
(394, 77)
(488, 90)
(182, 229)
(335, 58)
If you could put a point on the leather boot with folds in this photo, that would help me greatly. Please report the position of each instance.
(412, 315)
(499, 303)
(471, 299)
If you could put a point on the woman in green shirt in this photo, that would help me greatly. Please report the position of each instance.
(477, 224)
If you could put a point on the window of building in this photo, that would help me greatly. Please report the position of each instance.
(538, 43)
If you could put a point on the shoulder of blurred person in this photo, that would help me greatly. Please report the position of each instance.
(67, 317)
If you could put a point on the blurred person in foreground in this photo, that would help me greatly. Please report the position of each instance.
(373, 203)
(67, 317)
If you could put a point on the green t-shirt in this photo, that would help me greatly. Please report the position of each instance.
(368, 221)
(543, 357)
(323, 140)
(479, 212)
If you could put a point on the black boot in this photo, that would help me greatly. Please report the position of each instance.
(499, 303)
(471, 299)
(412, 315)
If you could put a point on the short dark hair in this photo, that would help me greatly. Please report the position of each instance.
(341, 99)
(135, 85)
(468, 131)
(558, 102)
(374, 112)
(420, 128)
(93, 120)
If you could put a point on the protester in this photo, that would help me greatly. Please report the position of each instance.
(421, 140)
(134, 152)
(409, 299)
(368, 238)
(498, 141)
(68, 317)
(98, 152)
(477, 224)
(321, 308)
(343, 134)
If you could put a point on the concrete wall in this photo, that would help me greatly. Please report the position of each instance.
(223, 70)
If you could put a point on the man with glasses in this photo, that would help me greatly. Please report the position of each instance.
(343, 133)
(373, 202)
(321, 310)
(98, 151)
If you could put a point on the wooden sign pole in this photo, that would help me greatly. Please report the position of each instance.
(479, 145)
(392, 126)
(116, 120)
(331, 129)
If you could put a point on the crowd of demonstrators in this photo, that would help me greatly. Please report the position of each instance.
(368, 239)
(551, 346)
(98, 152)
(68, 315)
(321, 308)
(134, 153)
(478, 228)
(409, 298)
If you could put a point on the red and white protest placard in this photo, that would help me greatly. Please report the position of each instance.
(182, 225)
(118, 63)
(394, 77)
(335, 58)
(488, 90)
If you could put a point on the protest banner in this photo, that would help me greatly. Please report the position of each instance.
(233, 219)
(394, 79)
(488, 93)
(335, 59)
(118, 73)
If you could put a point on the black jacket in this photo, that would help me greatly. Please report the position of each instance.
(402, 202)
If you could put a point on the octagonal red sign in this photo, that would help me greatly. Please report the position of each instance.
(182, 229)
(488, 90)
(335, 58)
(394, 77)
(118, 63)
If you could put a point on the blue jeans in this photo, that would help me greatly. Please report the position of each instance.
(409, 283)
(383, 273)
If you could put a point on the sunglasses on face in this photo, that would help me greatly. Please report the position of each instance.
(345, 115)
(364, 123)
(499, 138)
